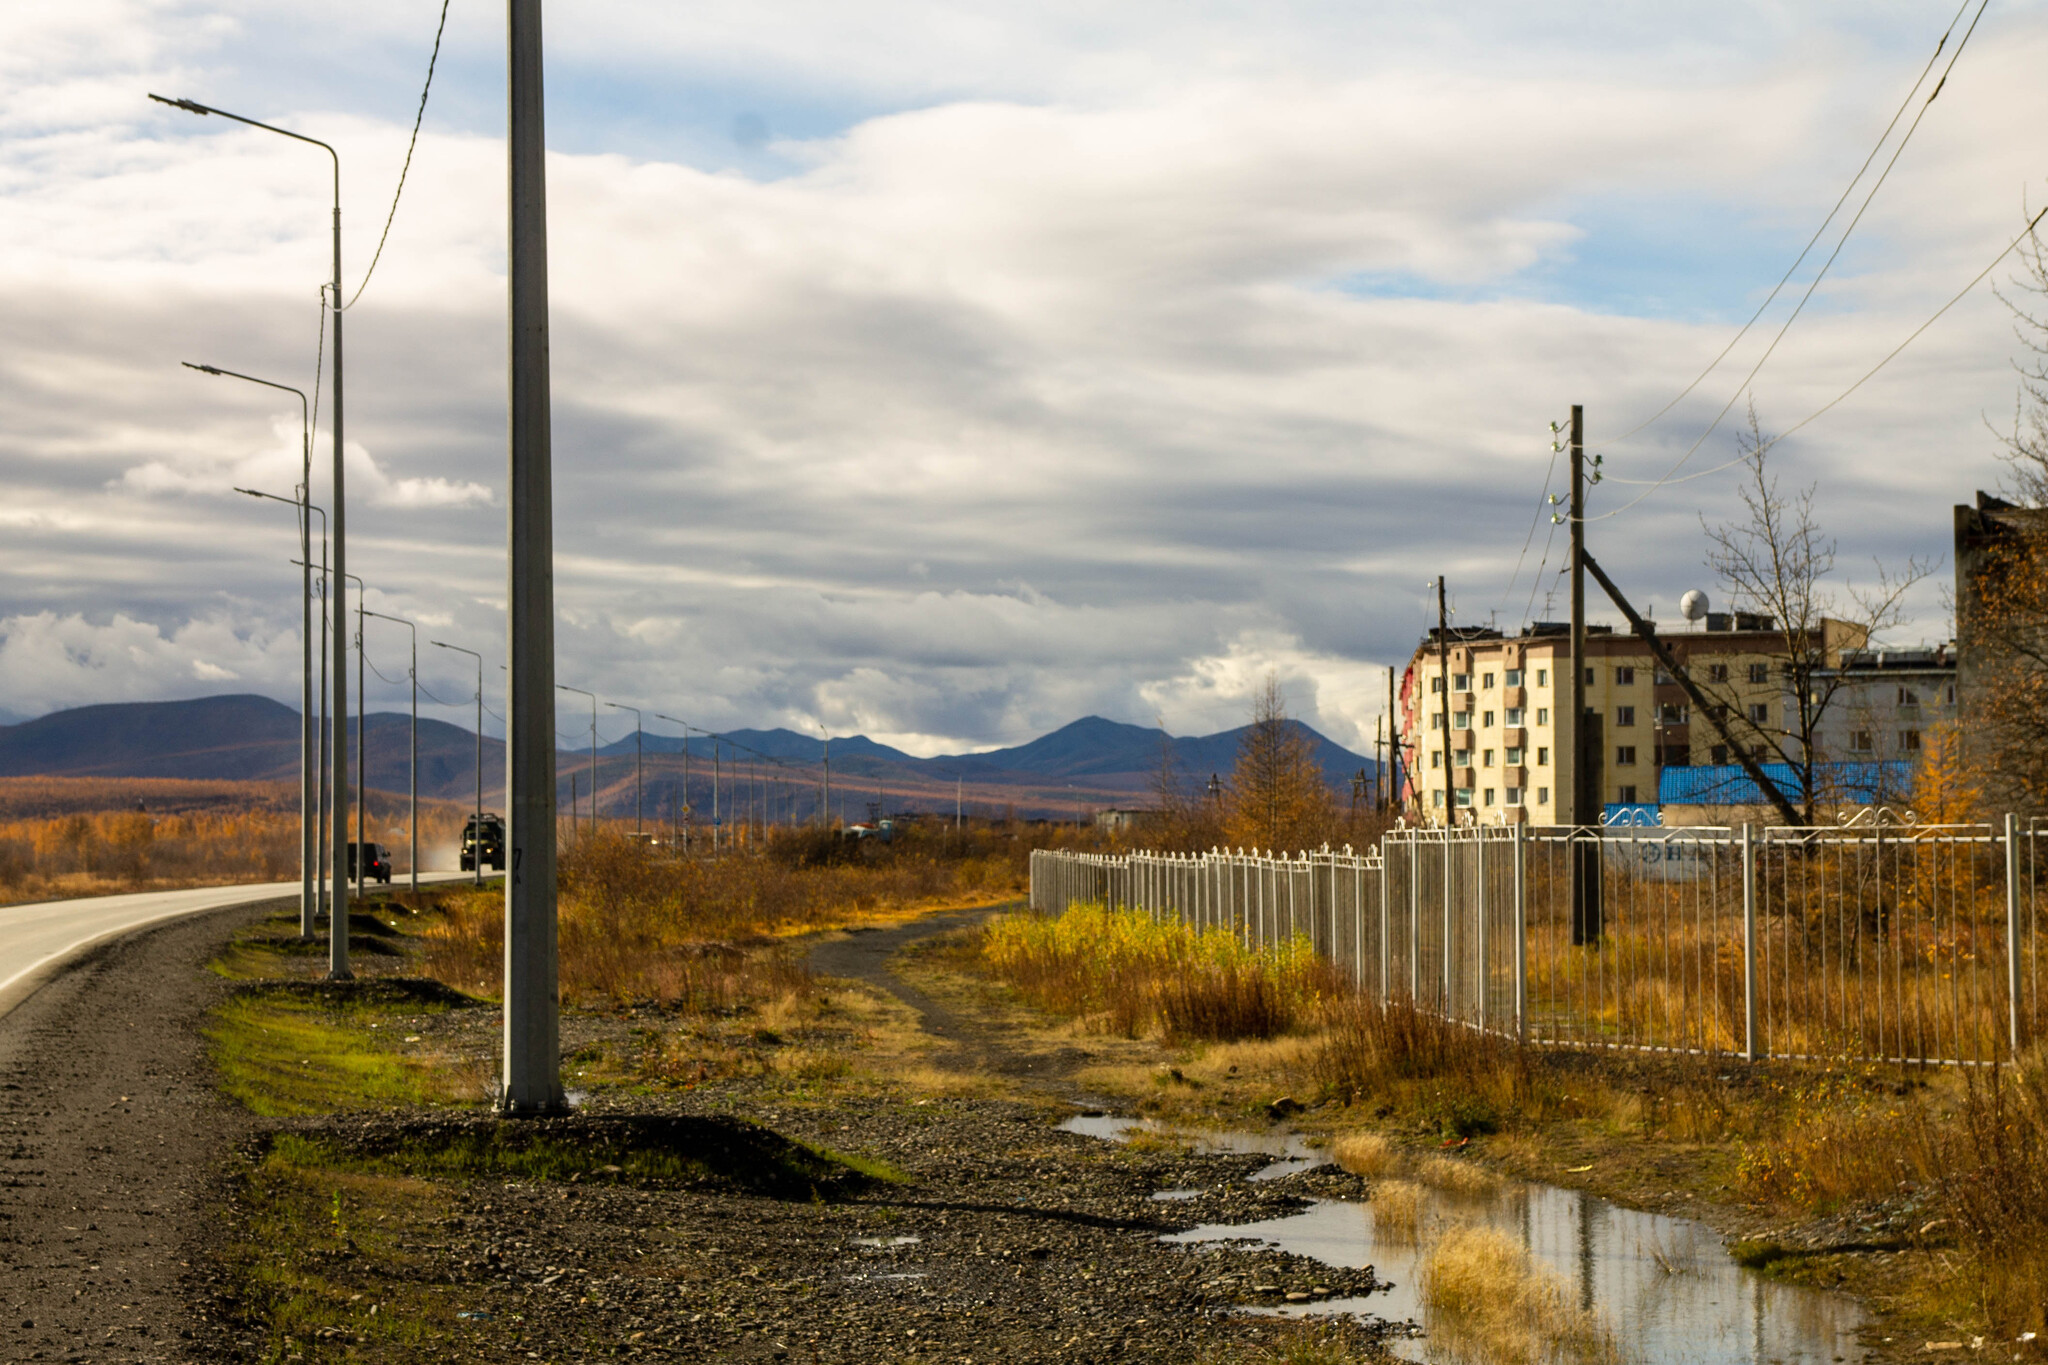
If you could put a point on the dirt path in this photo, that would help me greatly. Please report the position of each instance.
(110, 1133)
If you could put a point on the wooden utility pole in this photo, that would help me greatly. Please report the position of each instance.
(1393, 746)
(1443, 668)
(1584, 745)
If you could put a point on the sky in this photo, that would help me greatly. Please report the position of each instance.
(947, 372)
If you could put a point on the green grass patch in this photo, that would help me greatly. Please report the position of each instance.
(307, 1048)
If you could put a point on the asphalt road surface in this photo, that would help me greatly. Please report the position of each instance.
(36, 941)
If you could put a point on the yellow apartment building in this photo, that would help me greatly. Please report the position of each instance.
(1496, 743)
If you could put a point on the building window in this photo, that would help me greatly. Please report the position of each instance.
(1627, 795)
(1513, 758)
(1590, 679)
(1437, 799)
(1436, 720)
(1514, 796)
(1461, 720)
(1543, 679)
(1543, 715)
(1663, 676)
(1908, 697)
(1719, 753)
(1513, 716)
(1674, 713)
(1543, 796)
(1759, 673)
(1676, 756)
(1436, 685)
(1489, 796)
(1624, 676)
(1717, 673)
(1625, 756)
(1542, 758)
(1862, 741)
(1759, 713)
(1461, 682)
(1909, 741)
(1436, 758)
(1486, 681)
(1488, 721)
(1464, 796)
(1951, 694)
(1486, 758)
(1624, 717)
(1513, 679)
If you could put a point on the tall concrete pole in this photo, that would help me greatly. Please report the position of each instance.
(1587, 733)
(533, 1068)
(337, 605)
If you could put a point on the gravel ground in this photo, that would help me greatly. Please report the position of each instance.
(112, 1139)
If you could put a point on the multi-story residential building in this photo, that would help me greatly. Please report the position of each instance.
(1884, 703)
(1501, 750)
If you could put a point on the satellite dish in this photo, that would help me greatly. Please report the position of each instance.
(1693, 605)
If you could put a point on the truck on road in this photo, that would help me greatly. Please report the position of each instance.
(483, 839)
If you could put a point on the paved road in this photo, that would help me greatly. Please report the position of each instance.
(37, 940)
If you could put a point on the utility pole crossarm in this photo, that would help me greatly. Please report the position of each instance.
(1648, 634)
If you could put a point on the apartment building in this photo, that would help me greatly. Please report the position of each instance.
(1884, 703)
(1482, 714)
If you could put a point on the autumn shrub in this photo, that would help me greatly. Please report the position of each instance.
(1131, 974)
(1990, 1185)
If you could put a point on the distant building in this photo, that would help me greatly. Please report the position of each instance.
(1503, 711)
(1116, 818)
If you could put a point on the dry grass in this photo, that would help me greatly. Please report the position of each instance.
(1488, 1301)
(1366, 1154)
(1459, 1178)
(1991, 1183)
(1131, 974)
(1397, 1207)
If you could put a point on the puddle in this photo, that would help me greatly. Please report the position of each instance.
(886, 1241)
(1665, 1285)
(1290, 1151)
(1167, 1195)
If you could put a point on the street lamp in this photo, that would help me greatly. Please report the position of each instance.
(338, 964)
(309, 763)
(593, 749)
(621, 706)
(362, 737)
(412, 800)
(686, 776)
(476, 860)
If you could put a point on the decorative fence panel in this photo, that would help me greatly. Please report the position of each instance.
(1873, 940)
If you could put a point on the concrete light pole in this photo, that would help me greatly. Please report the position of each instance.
(686, 775)
(533, 1061)
(338, 961)
(637, 756)
(476, 861)
(362, 740)
(412, 800)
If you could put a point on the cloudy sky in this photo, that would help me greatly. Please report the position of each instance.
(950, 371)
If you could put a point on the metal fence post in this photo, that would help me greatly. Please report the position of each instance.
(1385, 927)
(1749, 1040)
(1517, 850)
(1479, 917)
(2012, 929)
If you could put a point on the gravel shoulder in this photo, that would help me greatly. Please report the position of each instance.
(111, 1138)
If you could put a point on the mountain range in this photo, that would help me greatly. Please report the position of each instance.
(1091, 762)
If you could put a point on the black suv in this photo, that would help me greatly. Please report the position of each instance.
(378, 866)
(483, 838)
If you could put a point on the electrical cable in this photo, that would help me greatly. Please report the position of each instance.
(1890, 356)
(400, 191)
(1814, 284)
(319, 367)
(1530, 539)
(1807, 250)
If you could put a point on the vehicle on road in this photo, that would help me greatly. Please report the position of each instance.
(378, 865)
(484, 837)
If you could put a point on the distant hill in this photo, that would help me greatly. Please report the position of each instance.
(1091, 762)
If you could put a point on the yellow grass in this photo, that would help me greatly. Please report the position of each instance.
(1488, 1301)
(1454, 1177)
(1366, 1154)
(1397, 1212)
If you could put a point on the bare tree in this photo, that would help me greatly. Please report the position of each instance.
(1277, 797)
(2026, 444)
(1775, 562)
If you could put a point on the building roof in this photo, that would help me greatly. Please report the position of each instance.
(1862, 784)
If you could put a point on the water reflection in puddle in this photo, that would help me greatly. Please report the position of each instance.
(886, 1241)
(1666, 1285)
(1290, 1151)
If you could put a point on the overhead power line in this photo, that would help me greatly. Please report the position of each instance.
(1867, 375)
(403, 170)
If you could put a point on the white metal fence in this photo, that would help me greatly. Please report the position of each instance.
(1877, 940)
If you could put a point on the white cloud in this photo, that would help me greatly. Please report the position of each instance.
(1091, 362)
